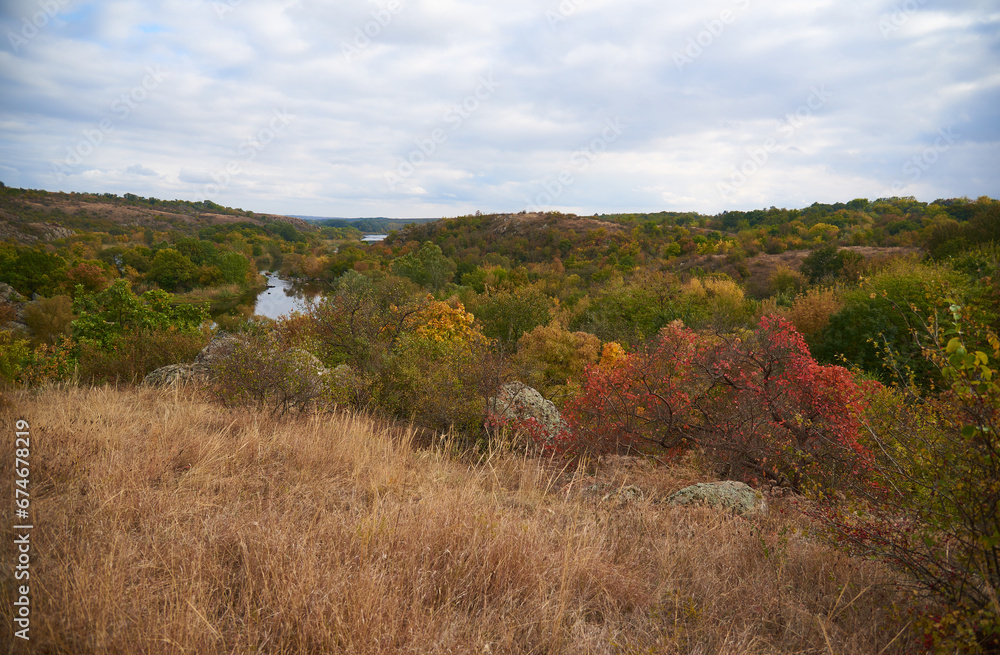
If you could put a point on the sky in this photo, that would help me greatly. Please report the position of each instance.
(430, 108)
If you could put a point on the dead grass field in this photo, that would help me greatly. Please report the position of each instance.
(165, 524)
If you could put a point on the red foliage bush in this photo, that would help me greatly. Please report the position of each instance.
(757, 403)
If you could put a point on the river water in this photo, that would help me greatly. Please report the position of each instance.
(284, 298)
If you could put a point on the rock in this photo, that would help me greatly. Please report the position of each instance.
(309, 371)
(210, 354)
(623, 496)
(10, 294)
(200, 370)
(520, 405)
(736, 496)
(51, 231)
(169, 375)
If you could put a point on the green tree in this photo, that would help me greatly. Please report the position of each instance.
(428, 267)
(506, 315)
(32, 270)
(879, 316)
(828, 263)
(103, 318)
(929, 503)
(171, 269)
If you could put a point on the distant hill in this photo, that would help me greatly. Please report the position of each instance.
(30, 215)
(374, 225)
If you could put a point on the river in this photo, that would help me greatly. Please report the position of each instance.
(283, 297)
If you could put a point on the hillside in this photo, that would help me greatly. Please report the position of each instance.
(28, 216)
(167, 524)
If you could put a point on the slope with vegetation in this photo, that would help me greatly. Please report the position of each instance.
(841, 354)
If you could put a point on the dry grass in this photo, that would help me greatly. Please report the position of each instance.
(165, 524)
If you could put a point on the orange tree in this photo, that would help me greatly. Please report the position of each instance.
(756, 402)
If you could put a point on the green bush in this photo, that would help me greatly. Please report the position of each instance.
(259, 370)
(508, 314)
(14, 354)
(878, 318)
(929, 503)
(105, 317)
(136, 354)
(49, 319)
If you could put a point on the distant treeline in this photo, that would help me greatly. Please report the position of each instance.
(377, 225)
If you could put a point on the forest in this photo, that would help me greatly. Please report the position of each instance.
(844, 354)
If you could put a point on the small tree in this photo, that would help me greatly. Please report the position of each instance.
(105, 317)
(259, 370)
(756, 402)
(932, 505)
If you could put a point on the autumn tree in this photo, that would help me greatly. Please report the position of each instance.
(930, 505)
(756, 402)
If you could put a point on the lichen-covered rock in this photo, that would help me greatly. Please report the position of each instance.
(623, 496)
(169, 375)
(211, 354)
(524, 409)
(735, 496)
(10, 294)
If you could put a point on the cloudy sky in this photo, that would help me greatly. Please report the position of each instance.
(414, 108)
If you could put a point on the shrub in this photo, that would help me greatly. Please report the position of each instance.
(757, 403)
(879, 317)
(259, 370)
(633, 312)
(105, 317)
(133, 355)
(553, 360)
(811, 311)
(721, 297)
(359, 323)
(828, 263)
(14, 354)
(932, 508)
(508, 314)
(49, 319)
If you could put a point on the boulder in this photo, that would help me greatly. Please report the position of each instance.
(10, 294)
(734, 496)
(200, 370)
(308, 371)
(169, 375)
(210, 354)
(523, 408)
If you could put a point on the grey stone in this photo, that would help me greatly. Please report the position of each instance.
(10, 294)
(518, 403)
(169, 375)
(735, 496)
(623, 496)
(216, 349)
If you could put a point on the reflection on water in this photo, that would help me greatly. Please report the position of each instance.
(285, 296)
(372, 238)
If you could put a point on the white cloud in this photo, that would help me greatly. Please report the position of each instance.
(233, 63)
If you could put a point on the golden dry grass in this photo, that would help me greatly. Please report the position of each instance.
(165, 524)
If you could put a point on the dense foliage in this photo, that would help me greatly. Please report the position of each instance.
(787, 348)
